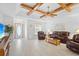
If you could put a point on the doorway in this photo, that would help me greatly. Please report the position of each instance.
(18, 31)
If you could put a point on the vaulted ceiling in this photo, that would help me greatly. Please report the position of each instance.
(37, 10)
(46, 10)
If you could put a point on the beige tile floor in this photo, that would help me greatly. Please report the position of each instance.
(23, 47)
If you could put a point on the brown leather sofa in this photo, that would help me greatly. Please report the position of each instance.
(41, 35)
(73, 44)
(62, 35)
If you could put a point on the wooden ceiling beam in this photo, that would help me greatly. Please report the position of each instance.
(31, 8)
(30, 11)
(25, 6)
(37, 5)
(64, 6)
(44, 13)
(52, 13)
(60, 8)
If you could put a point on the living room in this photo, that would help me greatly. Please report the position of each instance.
(25, 37)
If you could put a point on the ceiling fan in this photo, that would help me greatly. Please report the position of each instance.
(48, 13)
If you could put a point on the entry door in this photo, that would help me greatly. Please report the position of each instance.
(19, 32)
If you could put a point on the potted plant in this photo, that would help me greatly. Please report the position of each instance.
(8, 29)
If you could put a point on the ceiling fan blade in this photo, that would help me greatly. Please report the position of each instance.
(48, 15)
(51, 14)
(42, 16)
(54, 14)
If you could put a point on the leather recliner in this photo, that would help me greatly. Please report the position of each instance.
(41, 35)
(73, 44)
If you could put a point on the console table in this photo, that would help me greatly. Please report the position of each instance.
(4, 46)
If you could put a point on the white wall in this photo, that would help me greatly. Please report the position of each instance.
(8, 8)
(7, 20)
(53, 24)
(19, 20)
(29, 26)
(7, 12)
(69, 23)
(31, 31)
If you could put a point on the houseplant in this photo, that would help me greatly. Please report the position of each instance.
(8, 29)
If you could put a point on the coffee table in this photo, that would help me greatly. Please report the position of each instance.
(53, 41)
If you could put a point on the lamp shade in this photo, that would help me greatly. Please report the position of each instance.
(77, 31)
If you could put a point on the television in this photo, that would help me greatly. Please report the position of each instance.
(2, 31)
